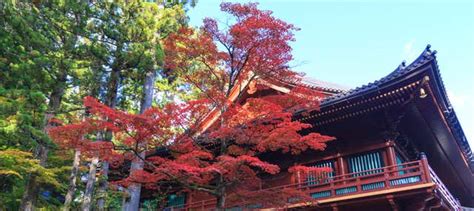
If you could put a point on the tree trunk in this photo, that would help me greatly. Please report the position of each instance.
(111, 101)
(220, 206)
(72, 180)
(31, 192)
(29, 195)
(137, 164)
(134, 189)
(148, 91)
(103, 183)
(87, 200)
(75, 167)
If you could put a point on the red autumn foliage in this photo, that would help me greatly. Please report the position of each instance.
(222, 63)
(214, 144)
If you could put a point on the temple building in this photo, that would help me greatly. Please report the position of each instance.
(399, 146)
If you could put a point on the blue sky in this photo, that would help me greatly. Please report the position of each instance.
(355, 42)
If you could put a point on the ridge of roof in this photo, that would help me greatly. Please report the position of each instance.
(323, 85)
(426, 56)
(401, 71)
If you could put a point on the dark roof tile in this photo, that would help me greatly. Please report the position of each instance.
(401, 70)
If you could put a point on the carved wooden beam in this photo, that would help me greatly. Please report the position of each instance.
(392, 202)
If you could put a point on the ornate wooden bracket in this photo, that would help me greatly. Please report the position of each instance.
(392, 202)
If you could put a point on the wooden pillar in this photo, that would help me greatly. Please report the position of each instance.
(340, 164)
(391, 156)
(341, 168)
(425, 167)
(391, 161)
(295, 177)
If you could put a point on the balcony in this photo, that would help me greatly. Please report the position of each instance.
(390, 179)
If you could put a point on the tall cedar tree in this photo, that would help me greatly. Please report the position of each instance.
(213, 144)
(125, 39)
(41, 59)
(53, 53)
(166, 22)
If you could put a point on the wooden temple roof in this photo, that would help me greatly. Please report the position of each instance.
(323, 85)
(397, 88)
(400, 72)
(407, 84)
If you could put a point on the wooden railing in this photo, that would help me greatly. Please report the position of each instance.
(389, 177)
(444, 192)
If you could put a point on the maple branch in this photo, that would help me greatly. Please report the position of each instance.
(230, 51)
(244, 63)
(203, 60)
(231, 73)
(192, 186)
(222, 82)
(202, 90)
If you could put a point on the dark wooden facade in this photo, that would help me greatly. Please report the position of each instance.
(399, 147)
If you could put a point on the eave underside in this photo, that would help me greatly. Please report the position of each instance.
(417, 86)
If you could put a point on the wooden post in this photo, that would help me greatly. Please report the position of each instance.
(386, 179)
(298, 178)
(391, 157)
(341, 167)
(391, 161)
(425, 166)
(340, 164)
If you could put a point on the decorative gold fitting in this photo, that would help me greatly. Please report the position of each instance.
(423, 93)
(426, 78)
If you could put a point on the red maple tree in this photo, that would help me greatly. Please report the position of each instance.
(253, 53)
(214, 144)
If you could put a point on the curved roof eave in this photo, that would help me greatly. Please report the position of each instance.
(400, 73)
